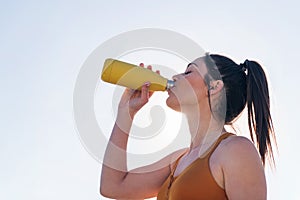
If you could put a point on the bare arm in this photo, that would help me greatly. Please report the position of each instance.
(244, 176)
(116, 181)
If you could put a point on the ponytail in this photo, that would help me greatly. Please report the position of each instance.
(246, 84)
(258, 104)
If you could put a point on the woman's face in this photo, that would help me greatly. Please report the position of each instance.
(190, 88)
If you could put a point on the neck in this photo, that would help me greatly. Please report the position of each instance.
(203, 127)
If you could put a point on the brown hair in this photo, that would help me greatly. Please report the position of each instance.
(245, 84)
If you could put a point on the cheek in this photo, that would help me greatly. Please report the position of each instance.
(202, 92)
(187, 92)
(197, 90)
(183, 96)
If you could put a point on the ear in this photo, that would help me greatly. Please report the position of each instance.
(216, 86)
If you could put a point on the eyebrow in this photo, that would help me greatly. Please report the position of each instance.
(191, 64)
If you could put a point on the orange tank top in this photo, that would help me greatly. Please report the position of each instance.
(195, 181)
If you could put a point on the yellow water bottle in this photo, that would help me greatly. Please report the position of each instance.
(133, 76)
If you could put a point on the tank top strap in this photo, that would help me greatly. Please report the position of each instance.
(213, 148)
(176, 163)
(208, 152)
(173, 171)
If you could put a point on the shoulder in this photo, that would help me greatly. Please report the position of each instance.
(242, 169)
(238, 148)
(237, 145)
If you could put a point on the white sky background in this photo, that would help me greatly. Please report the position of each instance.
(43, 45)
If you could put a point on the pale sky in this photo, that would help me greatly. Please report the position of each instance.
(44, 45)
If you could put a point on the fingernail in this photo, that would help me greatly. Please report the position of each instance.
(147, 84)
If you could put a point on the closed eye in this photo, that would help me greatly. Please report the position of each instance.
(187, 72)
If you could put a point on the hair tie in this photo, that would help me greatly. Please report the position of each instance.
(245, 65)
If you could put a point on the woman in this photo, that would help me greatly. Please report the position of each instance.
(212, 92)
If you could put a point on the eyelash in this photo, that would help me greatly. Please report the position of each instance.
(187, 72)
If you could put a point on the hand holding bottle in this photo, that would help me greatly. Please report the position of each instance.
(133, 100)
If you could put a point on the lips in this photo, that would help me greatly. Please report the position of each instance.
(170, 91)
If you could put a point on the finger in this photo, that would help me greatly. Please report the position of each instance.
(141, 64)
(157, 71)
(145, 92)
(130, 91)
(127, 94)
(149, 67)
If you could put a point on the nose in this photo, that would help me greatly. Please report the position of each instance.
(175, 77)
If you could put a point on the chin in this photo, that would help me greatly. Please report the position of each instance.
(173, 104)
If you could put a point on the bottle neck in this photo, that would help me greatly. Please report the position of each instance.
(170, 84)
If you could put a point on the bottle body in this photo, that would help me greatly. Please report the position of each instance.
(132, 76)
